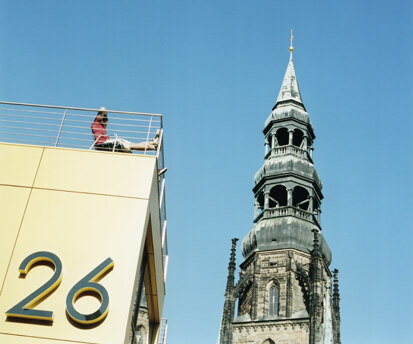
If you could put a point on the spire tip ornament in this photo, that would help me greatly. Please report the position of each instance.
(291, 49)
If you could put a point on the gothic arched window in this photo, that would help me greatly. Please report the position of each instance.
(273, 299)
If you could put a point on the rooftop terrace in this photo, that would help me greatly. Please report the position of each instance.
(70, 127)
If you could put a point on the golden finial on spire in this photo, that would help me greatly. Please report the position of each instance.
(291, 49)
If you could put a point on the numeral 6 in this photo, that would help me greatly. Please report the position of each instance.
(88, 285)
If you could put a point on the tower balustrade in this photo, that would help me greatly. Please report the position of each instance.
(288, 149)
(285, 211)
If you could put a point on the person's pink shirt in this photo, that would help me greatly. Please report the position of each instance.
(99, 132)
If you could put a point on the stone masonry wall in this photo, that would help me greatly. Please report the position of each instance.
(286, 332)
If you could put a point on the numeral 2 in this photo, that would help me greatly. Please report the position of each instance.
(24, 309)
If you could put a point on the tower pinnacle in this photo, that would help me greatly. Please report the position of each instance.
(289, 87)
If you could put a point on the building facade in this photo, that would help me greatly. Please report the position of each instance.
(286, 292)
(83, 249)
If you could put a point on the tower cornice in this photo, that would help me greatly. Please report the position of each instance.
(264, 179)
(271, 122)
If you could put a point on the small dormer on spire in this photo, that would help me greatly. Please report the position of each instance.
(289, 88)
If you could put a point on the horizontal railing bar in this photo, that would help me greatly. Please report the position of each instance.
(64, 131)
(112, 125)
(34, 117)
(111, 129)
(67, 145)
(27, 128)
(42, 124)
(80, 121)
(129, 131)
(121, 118)
(79, 109)
(70, 145)
(77, 139)
(23, 134)
(28, 110)
(30, 141)
(110, 122)
(134, 139)
(142, 139)
(46, 143)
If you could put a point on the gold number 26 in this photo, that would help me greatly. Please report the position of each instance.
(88, 284)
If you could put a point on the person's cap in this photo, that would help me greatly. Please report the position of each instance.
(103, 110)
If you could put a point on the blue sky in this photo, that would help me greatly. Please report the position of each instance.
(214, 69)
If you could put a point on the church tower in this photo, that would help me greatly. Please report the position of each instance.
(284, 292)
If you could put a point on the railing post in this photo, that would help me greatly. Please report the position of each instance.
(147, 136)
(60, 129)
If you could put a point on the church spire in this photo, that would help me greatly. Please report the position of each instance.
(336, 309)
(229, 305)
(289, 88)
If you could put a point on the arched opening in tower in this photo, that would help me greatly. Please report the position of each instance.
(298, 137)
(278, 196)
(301, 198)
(282, 136)
(260, 200)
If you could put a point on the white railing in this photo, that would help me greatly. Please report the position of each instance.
(70, 127)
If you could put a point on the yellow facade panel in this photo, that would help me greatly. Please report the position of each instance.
(18, 164)
(66, 214)
(82, 230)
(22, 339)
(96, 172)
(13, 201)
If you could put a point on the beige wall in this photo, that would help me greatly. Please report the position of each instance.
(83, 206)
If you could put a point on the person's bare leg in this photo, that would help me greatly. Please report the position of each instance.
(152, 145)
(141, 146)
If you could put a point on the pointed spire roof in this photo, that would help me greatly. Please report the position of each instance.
(289, 88)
